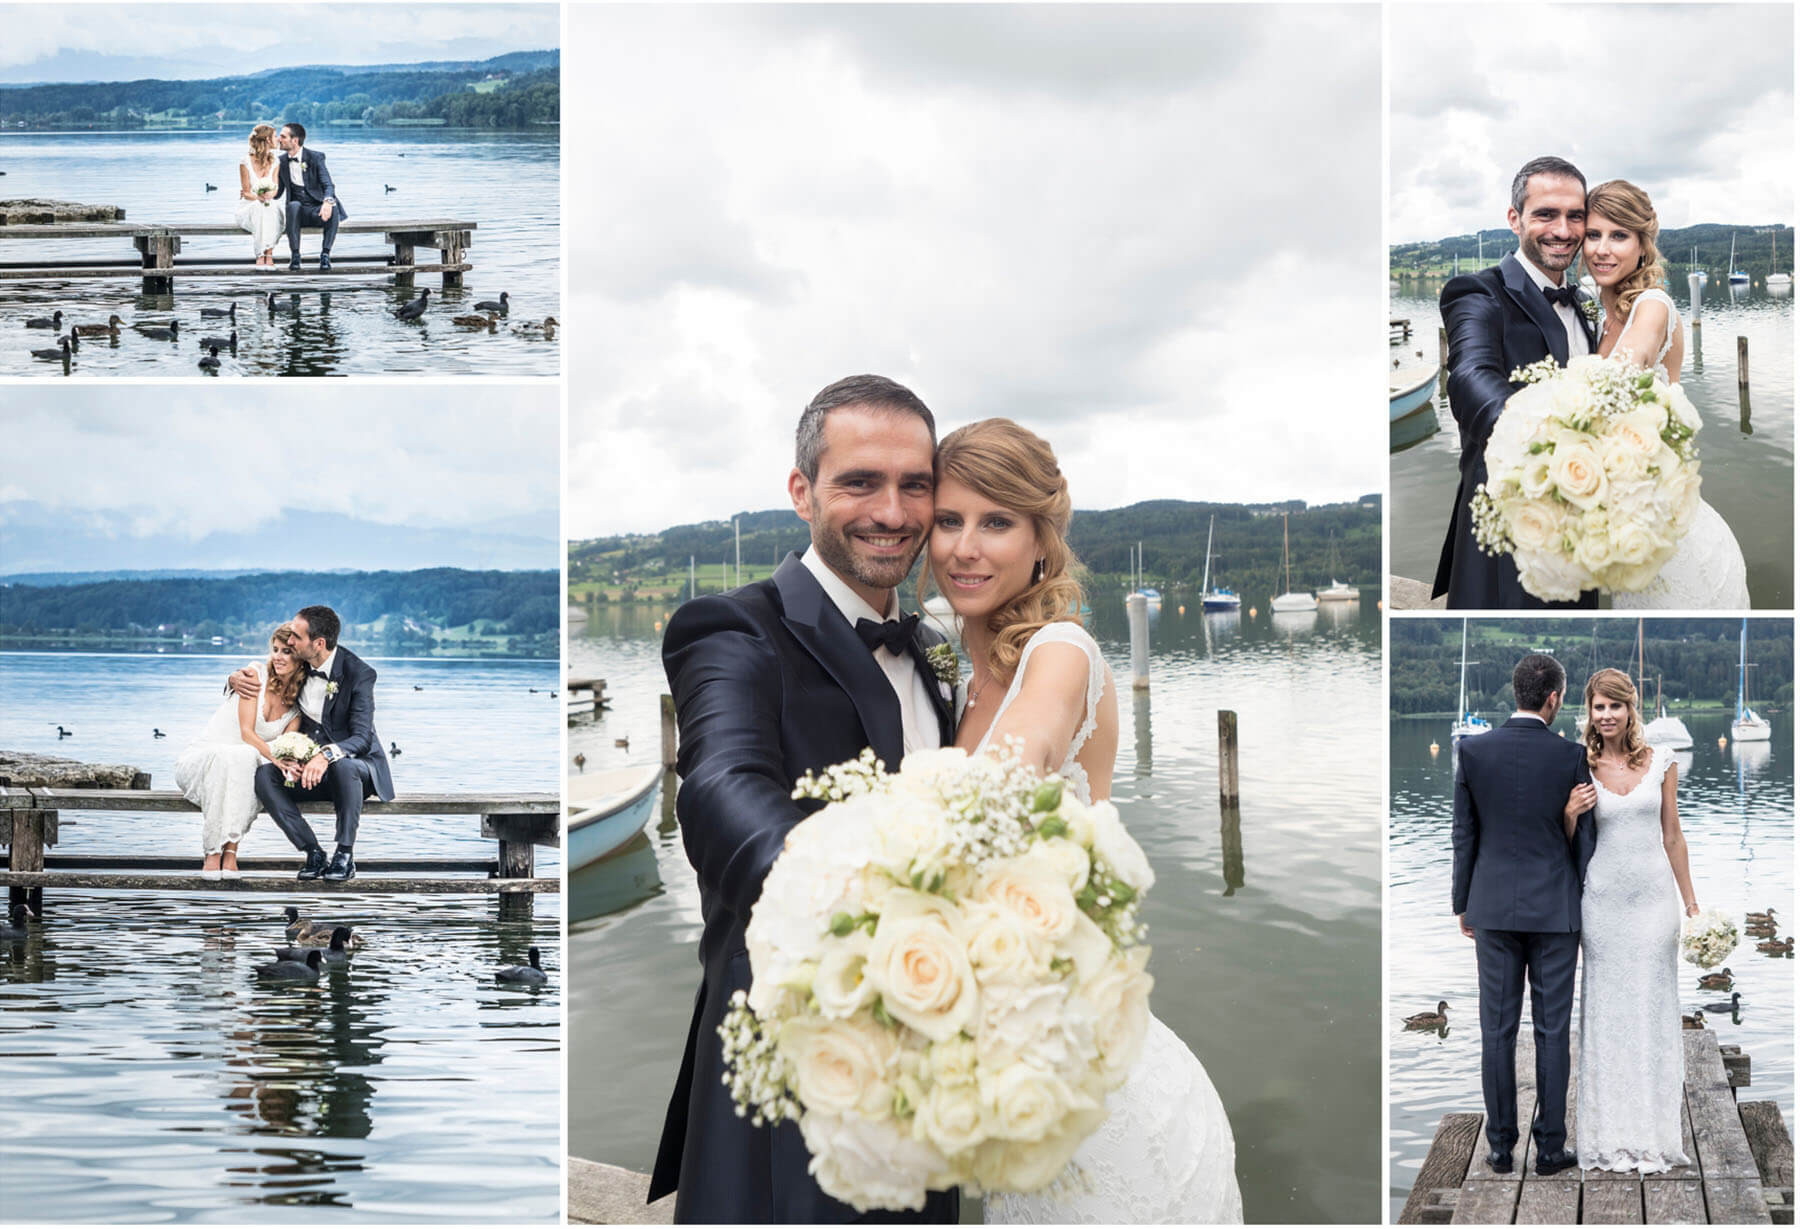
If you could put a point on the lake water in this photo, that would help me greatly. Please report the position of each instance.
(1737, 811)
(506, 182)
(1747, 459)
(150, 1078)
(1266, 936)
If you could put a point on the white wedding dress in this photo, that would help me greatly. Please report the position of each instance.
(1628, 1090)
(1707, 570)
(264, 219)
(218, 770)
(1165, 1154)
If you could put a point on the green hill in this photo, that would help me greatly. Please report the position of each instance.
(1711, 239)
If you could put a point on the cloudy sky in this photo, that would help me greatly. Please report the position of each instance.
(459, 477)
(122, 42)
(1694, 104)
(1149, 233)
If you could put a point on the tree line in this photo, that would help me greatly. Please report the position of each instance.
(1707, 246)
(1695, 660)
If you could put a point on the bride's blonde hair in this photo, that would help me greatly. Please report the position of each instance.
(287, 690)
(1002, 461)
(262, 142)
(1629, 206)
(1615, 685)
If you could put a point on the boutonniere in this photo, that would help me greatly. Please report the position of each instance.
(331, 689)
(1591, 309)
(944, 663)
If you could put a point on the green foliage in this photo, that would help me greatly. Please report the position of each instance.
(1713, 240)
(1696, 659)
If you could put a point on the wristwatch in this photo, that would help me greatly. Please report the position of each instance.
(331, 753)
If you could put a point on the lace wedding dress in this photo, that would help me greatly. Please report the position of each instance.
(218, 770)
(1628, 1092)
(264, 219)
(1707, 570)
(1165, 1154)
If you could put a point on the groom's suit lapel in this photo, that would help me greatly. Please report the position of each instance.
(1531, 300)
(828, 638)
(940, 703)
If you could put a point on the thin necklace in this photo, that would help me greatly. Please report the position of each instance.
(975, 692)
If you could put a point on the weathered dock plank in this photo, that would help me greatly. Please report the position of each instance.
(607, 1195)
(1548, 1203)
(1674, 1203)
(1736, 1201)
(271, 883)
(1612, 1203)
(1774, 1152)
(1724, 1150)
(1486, 1203)
(1457, 1138)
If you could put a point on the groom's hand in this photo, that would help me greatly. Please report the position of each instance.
(313, 773)
(1468, 931)
(245, 684)
(325, 212)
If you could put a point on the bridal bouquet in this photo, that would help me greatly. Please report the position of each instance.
(292, 747)
(1707, 938)
(1593, 477)
(947, 978)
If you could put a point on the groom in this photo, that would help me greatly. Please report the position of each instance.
(771, 681)
(337, 707)
(311, 196)
(1517, 893)
(1510, 315)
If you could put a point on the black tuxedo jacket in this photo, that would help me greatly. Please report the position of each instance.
(1496, 320)
(347, 718)
(770, 682)
(1514, 868)
(317, 186)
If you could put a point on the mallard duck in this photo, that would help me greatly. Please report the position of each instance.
(1777, 947)
(1717, 981)
(109, 329)
(623, 742)
(1697, 1020)
(580, 761)
(416, 308)
(296, 925)
(325, 934)
(1760, 932)
(1431, 1019)
(529, 974)
(1766, 916)
(293, 970)
(490, 323)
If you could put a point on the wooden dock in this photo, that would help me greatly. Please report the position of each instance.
(595, 704)
(1741, 1169)
(30, 818)
(159, 259)
(601, 1194)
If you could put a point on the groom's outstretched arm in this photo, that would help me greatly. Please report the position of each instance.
(1478, 384)
(1465, 835)
(736, 804)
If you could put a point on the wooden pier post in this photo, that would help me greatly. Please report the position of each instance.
(1137, 614)
(1231, 847)
(1228, 759)
(1743, 361)
(517, 836)
(451, 244)
(158, 250)
(403, 259)
(667, 704)
(1443, 347)
(32, 830)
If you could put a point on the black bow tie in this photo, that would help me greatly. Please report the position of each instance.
(1561, 294)
(313, 672)
(892, 634)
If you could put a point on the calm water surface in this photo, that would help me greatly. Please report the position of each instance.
(1266, 935)
(1748, 456)
(150, 1078)
(1737, 811)
(505, 182)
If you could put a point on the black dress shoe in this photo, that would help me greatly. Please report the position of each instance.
(294, 264)
(324, 260)
(1500, 1162)
(315, 864)
(342, 867)
(1555, 1162)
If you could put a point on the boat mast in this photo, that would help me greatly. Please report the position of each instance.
(1286, 569)
(1206, 568)
(1462, 678)
(1743, 652)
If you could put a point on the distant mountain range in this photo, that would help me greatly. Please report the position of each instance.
(35, 539)
(1706, 245)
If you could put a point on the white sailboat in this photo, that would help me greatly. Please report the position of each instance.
(1734, 275)
(1466, 723)
(1748, 726)
(1290, 601)
(1338, 591)
(1664, 731)
(1776, 277)
(1152, 597)
(1220, 598)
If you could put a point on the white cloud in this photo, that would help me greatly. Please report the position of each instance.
(1693, 103)
(1148, 232)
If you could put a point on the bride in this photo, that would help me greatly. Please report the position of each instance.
(1641, 323)
(1628, 1093)
(999, 556)
(218, 771)
(258, 211)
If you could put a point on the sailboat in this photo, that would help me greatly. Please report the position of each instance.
(1734, 275)
(1337, 591)
(1466, 723)
(1214, 599)
(1664, 731)
(1152, 597)
(1776, 277)
(1748, 726)
(1290, 600)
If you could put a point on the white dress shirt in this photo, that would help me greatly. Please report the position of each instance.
(1537, 717)
(918, 718)
(312, 692)
(1578, 342)
(297, 168)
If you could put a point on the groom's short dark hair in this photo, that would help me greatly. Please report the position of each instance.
(299, 131)
(877, 391)
(1536, 678)
(1548, 165)
(321, 621)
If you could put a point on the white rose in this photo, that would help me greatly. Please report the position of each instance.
(1033, 1024)
(1552, 575)
(1681, 409)
(935, 765)
(920, 966)
(871, 1164)
(820, 873)
(841, 1066)
(1532, 526)
(1640, 431)
(1062, 857)
(840, 987)
(1085, 944)
(913, 837)
(1001, 946)
(951, 1117)
(1120, 998)
(953, 1061)
(1632, 543)
(1534, 476)
(1041, 899)
(1593, 551)
(1580, 476)
(1027, 1104)
(1114, 846)
(1001, 1165)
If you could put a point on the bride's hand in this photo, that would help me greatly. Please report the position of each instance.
(1581, 800)
(1693, 909)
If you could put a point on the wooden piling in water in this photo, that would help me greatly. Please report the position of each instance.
(1743, 361)
(1228, 759)
(1443, 347)
(1137, 615)
(667, 703)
